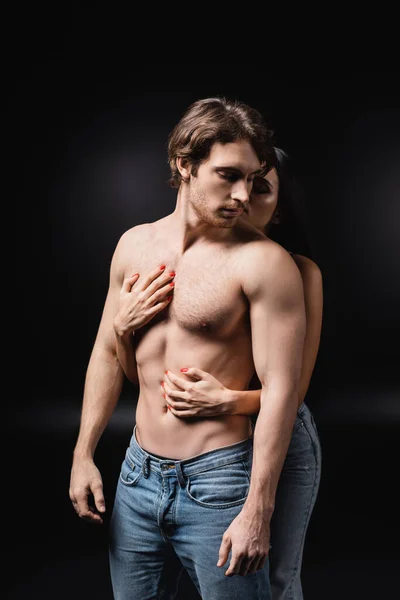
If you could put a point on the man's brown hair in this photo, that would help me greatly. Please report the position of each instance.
(220, 120)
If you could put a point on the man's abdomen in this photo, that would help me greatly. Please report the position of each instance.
(160, 432)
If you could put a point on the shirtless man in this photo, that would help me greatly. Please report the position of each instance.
(202, 489)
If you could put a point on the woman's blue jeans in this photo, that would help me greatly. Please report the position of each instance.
(168, 513)
(295, 499)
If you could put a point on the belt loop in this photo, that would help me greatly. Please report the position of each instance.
(146, 466)
(179, 474)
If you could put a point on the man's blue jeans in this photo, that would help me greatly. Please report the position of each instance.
(169, 513)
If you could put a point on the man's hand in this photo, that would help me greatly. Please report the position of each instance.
(248, 538)
(86, 482)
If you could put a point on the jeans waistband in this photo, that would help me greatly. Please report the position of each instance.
(189, 466)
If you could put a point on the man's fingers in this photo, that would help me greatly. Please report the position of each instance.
(224, 550)
(248, 565)
(91, 516)
(99, 499)
(234, 566)
(86, 512)
(257, 565)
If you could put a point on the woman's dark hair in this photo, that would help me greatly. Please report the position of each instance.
(289, 226)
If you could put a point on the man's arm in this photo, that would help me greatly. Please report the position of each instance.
(278, 325)
(103, 386)
(247, 402)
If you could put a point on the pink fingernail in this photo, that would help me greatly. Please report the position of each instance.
(184, 370)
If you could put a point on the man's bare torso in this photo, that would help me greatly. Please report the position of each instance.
(206, 326)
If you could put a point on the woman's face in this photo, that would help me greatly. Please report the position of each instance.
(263, 200)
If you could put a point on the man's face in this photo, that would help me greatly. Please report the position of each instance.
(221, 189)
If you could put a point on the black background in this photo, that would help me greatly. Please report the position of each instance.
(88, 140)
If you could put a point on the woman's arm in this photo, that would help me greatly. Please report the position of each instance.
(139, 302)
(125, 349)
(207, 396)
(313, 298)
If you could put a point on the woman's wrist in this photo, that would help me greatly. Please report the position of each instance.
(120, 329)
(230, 399)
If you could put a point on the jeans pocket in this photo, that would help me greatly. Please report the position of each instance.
(130, 472)
(301, 443)
(221, 487)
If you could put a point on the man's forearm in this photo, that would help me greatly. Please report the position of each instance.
(272, 435)
(103, 386)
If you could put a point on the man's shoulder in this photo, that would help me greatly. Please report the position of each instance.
(266, 263)
(130, 244)
(266, 253)
(136, 233)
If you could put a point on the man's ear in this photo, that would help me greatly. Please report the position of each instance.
(184, 168)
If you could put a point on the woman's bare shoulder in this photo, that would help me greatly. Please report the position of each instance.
(307, 266)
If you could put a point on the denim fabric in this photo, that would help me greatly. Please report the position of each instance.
(168, 513)
(295, 499)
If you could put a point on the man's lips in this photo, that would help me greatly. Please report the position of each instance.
(235, 212)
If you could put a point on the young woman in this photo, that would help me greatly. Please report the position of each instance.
(275, 208)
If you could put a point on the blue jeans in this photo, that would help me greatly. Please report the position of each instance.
(168, 513)
(295, 498)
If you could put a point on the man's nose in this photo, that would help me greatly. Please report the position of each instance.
(241, 192)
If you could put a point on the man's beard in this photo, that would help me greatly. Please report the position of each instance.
(205, 214)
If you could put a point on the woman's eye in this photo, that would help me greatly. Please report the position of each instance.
(260, 187)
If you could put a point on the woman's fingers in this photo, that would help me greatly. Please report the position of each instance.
(129, 281)
(195, 373)
(176, 404)
(178, 381)
(156, 284)
(154, 280)
(180, 395)
(154, 274)
(179, 408)
(158, 307)
(159, 295)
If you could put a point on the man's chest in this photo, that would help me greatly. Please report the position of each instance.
(207, 295)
